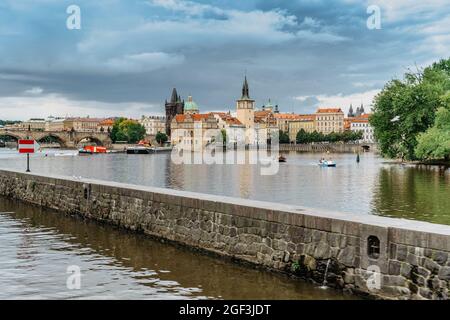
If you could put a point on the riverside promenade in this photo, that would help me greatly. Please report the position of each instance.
(364, 254)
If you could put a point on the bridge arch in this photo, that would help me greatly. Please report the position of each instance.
(8, 137)
(52, 136)
(92, 138)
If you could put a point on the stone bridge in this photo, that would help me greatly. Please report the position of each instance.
(66, 139)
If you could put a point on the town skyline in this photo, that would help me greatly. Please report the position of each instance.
(125, 59)
(258, 106)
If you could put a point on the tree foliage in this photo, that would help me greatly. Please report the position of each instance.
(435, 142)
(405, 108)
(283, 137)
(346, 136)
(161, 137)
(127, 130)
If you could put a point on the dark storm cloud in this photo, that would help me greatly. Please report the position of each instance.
(300, 54)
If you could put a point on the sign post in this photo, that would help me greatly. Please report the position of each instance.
(28, 146)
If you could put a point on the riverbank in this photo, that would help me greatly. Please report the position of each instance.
(330, 147)
(411, 257)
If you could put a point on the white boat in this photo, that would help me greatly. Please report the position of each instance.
(327, 163)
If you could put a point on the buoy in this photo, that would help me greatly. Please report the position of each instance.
(357, 158)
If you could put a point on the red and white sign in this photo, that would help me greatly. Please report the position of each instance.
(28, 146)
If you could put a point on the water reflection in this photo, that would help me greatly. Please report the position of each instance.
(38, 245)
(369, 187)
(420, 192)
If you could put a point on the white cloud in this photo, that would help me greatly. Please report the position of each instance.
(187, 7)
(398, 10)
(143, 62)
(344, 101)
(34, 91)
(23, 108)
(195, 26)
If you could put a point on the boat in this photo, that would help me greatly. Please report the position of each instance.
(281, 159)
(326, 163)
(92, 150)
(139, 149)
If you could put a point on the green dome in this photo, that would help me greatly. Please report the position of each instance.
(190, 105)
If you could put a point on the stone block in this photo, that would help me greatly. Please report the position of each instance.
(347, 256)
(394, 267)
(405, 270)
(412, 259)
(444, 273)
(349, 276)
(430, 265)
(322, 251)
(440, 257)
(408, 237)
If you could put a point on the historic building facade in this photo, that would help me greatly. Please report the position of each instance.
(302, 121)
(245, 108)
(361, 123)
(329, 120)
(173, 108)
(153, 124)
(189, 130)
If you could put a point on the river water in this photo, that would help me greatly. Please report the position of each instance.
(372, 186)
(38, 246)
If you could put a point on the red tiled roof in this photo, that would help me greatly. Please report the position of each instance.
(194, 117)
(361, 119)
(228, 118)
(107, 122)
(293, 116)
(329, 110)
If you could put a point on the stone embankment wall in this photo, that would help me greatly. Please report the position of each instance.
(330, 147)
(364, 254)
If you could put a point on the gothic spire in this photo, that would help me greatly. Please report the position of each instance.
(174, 98)
(350, 111)
(245, 94)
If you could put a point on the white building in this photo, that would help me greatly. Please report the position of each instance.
(153, 124)
(361, 123)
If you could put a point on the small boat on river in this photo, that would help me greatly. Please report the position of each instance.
(327, 163)
(92, 150)
(282, 159)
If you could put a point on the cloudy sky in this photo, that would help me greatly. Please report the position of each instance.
(129, 54)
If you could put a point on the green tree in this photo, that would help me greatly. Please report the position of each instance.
(405, 108)
(133, 130)
(435, 142)
(303, 136)
(127, 130)
(224, 136)
(316, 136)
(161, 137)
(284, 137)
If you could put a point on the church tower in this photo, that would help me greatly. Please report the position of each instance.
(350, 112)
(174, 107)
(246, 107)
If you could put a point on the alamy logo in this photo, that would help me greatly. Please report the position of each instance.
(73, 21)
(374, 280)
(374, 20)
(73, 281)
(243, 146)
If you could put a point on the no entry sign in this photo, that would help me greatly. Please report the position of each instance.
(28, 146)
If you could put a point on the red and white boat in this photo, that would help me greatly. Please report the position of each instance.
(92, 150)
